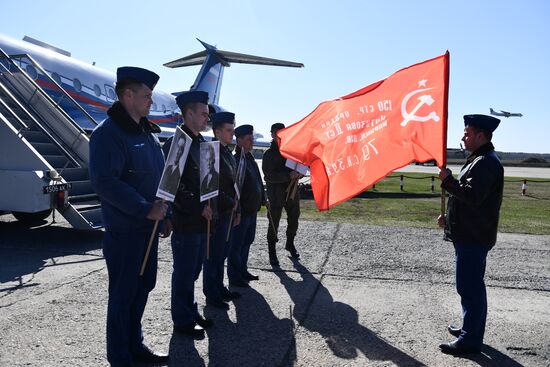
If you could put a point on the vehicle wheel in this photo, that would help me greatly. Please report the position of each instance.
(32, 218)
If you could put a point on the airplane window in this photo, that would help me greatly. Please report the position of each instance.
(111, 93)
(31, 71)
(77, 85)
(56, 77)
(97, 90)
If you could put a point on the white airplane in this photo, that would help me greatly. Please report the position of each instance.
(505, 113)
(93, 87)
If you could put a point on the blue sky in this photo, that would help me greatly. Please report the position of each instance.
(499, 51)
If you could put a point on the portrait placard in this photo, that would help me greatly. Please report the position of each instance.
(298, 167)
(175, 163)
(209, 170)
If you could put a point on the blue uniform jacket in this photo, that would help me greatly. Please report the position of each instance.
(252, 192)
(126, 164)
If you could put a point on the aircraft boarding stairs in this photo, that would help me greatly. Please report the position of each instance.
(37, 135)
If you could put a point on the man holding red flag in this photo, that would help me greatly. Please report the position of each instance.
(352, 142)
(278, 178)
(471, 224)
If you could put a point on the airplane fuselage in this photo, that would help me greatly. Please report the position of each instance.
(92, 87)
(504, 113)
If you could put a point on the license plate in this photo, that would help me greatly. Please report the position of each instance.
(56, 188)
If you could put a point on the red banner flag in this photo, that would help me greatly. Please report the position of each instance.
(353, 142)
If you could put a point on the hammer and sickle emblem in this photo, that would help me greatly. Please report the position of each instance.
(424, 99)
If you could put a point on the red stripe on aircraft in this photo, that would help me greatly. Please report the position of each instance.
(163, 119)
(80, 97)
(75, 95)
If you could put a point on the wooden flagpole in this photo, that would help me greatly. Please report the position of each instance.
(208, 235)
(230, 225)
(153, 234)
(294, 189)
(236, 197)
(442, 201)
(291, 188)
(271, 219)
(445, 122)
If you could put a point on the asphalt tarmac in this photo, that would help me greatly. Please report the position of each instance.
(360, 295)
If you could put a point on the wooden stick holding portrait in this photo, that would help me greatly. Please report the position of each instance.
(239, 180)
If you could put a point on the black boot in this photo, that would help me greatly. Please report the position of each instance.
(291, 248)
(272, 254)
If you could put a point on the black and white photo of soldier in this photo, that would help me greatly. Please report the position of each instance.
(210, 167)
(175, 163)
(298, 167)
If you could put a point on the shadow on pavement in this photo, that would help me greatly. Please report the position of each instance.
(25, 250)
(489, 356)
(337, 322)
(256, 338)
(183, 352)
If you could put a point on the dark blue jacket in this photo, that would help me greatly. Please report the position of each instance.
(228, 170)
(126, 164)
(252, 192)
(274, 166)
(475, 199)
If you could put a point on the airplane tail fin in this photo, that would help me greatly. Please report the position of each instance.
(492, 111)
(213, 62)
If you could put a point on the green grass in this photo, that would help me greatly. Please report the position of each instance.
(526, 214)
(417, 206)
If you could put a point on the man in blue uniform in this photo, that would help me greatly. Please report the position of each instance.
(471, 223)
(251, 200)
(216, 293)
(189, 221)
(126, 164)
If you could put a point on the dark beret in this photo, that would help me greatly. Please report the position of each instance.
(277, 126)
(243, 130)
(220, 118)
(144, 76)
(192, 96)
(484, 122)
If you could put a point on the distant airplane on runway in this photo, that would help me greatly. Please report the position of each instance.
(93, 87)
(504, 113)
